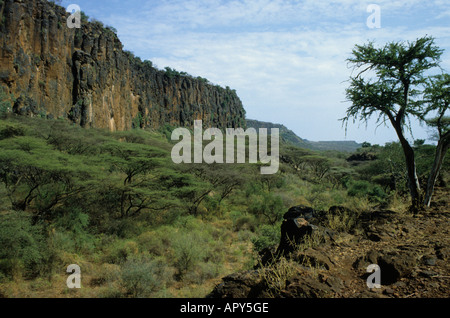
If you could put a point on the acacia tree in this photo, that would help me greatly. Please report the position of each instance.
(437, 100)
(389, 84)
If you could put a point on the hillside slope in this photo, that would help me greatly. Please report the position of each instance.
(289, 136)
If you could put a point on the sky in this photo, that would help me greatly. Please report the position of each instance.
(286, 59)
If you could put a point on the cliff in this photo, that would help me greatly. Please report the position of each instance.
(84, 75)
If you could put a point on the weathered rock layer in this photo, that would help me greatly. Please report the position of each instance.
(84, 75)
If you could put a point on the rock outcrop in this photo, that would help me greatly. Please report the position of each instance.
(84, 75)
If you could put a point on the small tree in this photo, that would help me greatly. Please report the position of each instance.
(391, 89)
(437, 99)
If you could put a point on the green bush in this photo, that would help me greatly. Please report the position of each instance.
(11, 131)
(23, 246)
(269, 236)
(142, 276)
(359, 188)
(74, 224)
(362, 188)
(119, 251)
(245, 222)
(268, 206)
(189, 250)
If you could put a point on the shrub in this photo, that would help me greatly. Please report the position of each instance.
(119, 252)
(75, 223)
(269, 235)
(23, 246)
(11, 131)
(269, 206)
(188, 251)
(152, 243)
(245, 222)
(276, 276)
(362, 188)
(359, 188)
(142, 276)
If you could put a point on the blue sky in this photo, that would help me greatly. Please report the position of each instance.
(285, 58)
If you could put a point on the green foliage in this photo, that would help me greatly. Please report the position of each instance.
(84, 17)
(143, 276)
(268, 206)
(138, 121)
(171, 73)
(23, 251)
(166, 130)
(116, 201)
(188, 251)
(268, 236)
(74, 225)
(389, 85)
(111, 28)
(5, 104)
(11, 131)
(362, 188)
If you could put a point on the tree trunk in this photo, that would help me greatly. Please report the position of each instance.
(441, 150)
(413, 180)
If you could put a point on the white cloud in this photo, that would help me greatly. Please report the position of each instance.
(285, 58)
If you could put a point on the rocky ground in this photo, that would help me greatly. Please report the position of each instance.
(413, 253)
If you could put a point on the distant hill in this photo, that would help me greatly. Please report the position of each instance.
(289, 136)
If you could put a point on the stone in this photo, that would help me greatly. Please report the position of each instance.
(443, 253)
(428, 274)
(246, 284)
(388, 291)
(429, 260)
(307, 287)
(394, 265)
(299, 211)
(292, 234)
(315, 258)
(335, 283)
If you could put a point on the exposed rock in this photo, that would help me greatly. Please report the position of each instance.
(24, 105)
(395, 265)
(239, 285)
(405, 254)
(299, 211)
(335, 283)
(307, 287)
(428, 274)
(315, 258)
(86, 76)
(296, 227)
(443, 253)
(429, 260)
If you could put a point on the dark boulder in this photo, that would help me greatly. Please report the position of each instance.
(297, 226)
(293, 232)
(299, 211)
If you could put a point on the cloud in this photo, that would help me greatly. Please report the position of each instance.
(285, 58)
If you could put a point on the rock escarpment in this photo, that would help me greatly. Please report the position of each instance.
(85, 75)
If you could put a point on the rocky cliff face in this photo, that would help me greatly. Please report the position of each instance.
(85, 75)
